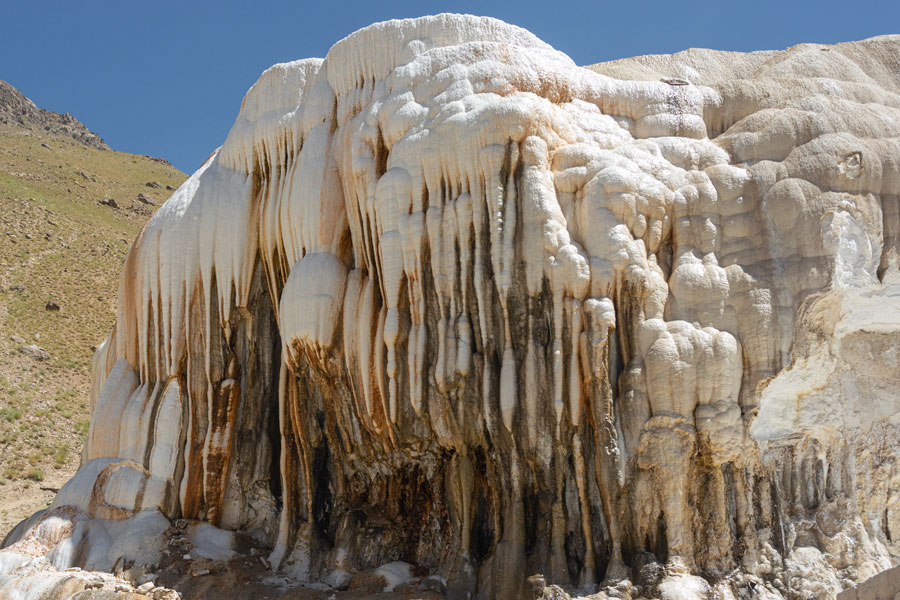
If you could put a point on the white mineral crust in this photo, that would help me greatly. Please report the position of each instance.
(446, 298)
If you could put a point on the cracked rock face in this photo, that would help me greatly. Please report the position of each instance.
(446, 298)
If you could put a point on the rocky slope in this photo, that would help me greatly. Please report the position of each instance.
(17, 110)
(60, 253)
(445, 304)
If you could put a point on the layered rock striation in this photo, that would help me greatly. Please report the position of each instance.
(446, 298)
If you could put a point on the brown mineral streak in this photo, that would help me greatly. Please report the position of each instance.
(225, 405)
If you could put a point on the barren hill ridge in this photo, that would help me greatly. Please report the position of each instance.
(16, 109)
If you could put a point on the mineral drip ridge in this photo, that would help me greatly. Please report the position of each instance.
(446, 298)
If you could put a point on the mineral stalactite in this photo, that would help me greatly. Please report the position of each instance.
(446, 298)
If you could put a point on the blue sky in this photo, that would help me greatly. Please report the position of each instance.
(166, 78)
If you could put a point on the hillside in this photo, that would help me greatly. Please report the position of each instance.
(59, 246)
(16, 109)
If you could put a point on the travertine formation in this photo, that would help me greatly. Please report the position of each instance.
(446, 298)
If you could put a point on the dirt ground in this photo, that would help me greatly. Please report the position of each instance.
(22, 498)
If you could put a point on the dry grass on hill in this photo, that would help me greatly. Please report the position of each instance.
(60, 245)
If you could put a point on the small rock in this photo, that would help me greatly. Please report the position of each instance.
(109, 202)
(47, 146)
(339, 579)
(17, 288)
(36, 352)
(17, 338)
(154, 184)
(135, 574)
(170, 188)
(142, 197)
(687, 587)
(535, 585)
(368, 582)
(27, 236)
(554, 592)
(145, 587)
(433, 583)
(647, 571)
(199, 572)
(187, 557)
(51, 305)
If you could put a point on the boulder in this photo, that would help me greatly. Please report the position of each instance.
(35, 352)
